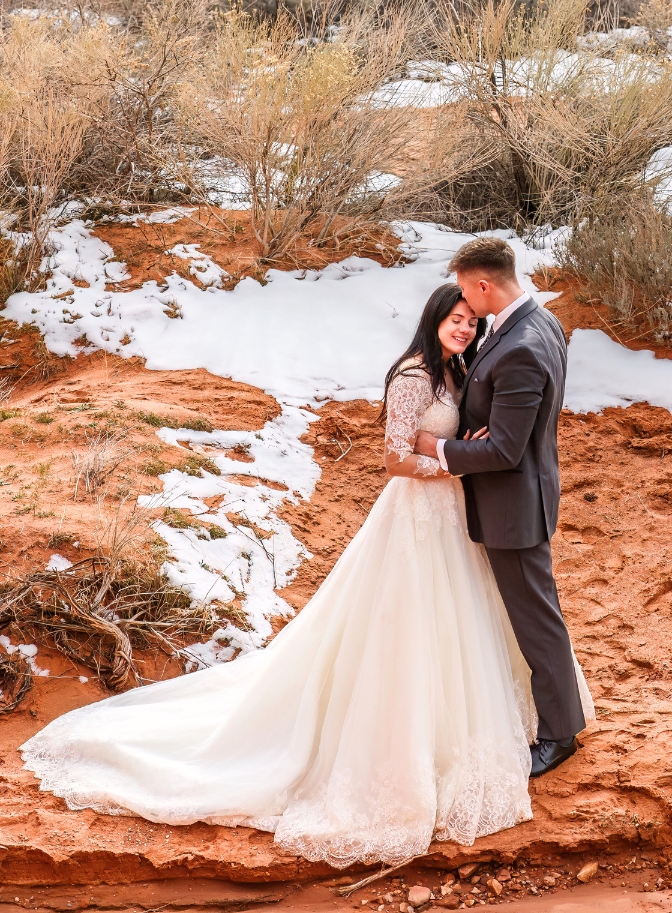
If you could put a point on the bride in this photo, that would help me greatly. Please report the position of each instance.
(395, 709)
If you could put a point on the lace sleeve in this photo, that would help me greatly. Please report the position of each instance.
(407, 400)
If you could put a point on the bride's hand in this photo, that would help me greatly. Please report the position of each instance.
(482, 433)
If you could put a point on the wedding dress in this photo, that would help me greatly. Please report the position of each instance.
(393, 710)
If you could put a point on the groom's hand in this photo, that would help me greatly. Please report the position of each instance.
(425, 444)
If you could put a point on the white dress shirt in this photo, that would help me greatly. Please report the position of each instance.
(496, 324)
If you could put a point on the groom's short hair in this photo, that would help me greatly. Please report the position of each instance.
(489, 255)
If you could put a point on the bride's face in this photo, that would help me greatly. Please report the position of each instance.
(457, 330)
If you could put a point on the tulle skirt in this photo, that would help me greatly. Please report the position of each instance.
(393, 710)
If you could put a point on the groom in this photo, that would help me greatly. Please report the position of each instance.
(515, 387)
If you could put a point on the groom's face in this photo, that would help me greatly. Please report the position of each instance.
(477, 292)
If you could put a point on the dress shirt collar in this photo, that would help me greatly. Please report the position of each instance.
(508, 310)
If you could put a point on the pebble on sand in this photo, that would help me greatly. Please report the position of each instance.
(494, 886)
(468, 869)
(587, 872)
(419, 895)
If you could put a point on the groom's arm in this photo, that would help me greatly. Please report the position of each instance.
(519, 382)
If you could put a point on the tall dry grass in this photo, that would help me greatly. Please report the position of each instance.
(573, 130)
(301, 128)
(622, 258)
(84, 113)
(51, 86)
(177, 101)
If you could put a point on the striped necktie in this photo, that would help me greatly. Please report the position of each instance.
(488, 334)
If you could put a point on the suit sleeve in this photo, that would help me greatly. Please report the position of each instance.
(519, 381)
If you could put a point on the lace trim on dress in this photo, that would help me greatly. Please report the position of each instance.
(409, 396)
(426, 466)
(483, 794)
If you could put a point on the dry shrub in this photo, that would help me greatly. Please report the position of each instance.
(622, 258)
(301, 129)
(97, 611)
(16, 681)
(84, 110)
(50, 89)
(102, 608)
(105, 452)
(573, 130)
(656, 17)
(144, 81)
(67, 606)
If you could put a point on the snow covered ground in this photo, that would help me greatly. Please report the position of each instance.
(248, 551)
(658, 173)
(304, 337)
(602, 373)
(431, 83)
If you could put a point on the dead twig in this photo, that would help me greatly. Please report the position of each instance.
(347, 890)
(16, 680)
(344, 453)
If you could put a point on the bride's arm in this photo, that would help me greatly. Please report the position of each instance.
(408, 397)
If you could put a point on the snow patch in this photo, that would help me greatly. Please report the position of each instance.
(201, 266)
(28, 651)
(603, 373)
(304, 337)
(58, 563)
(659, 173)
(240, 552)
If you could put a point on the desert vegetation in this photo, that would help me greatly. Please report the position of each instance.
(315, 119)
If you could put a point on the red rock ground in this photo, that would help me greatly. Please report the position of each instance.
(611, 802)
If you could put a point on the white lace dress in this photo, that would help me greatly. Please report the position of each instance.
(395, 709)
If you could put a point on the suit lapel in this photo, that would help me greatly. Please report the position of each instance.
(526, 308)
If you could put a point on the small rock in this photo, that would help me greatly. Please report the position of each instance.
(494, 887)
(450, 879)
(388, 898)
(405, 908)
(418, 895)
(503, 875)
(449, 902)
(475, 879)
(457, 888)
(587, 872)
(468, 869)
(446, 889)
(550, 881)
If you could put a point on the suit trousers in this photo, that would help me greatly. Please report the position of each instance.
(525, 580)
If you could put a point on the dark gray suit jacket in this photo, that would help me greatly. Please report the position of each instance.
(515, 386)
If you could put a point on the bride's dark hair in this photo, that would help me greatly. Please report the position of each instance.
(427, 346)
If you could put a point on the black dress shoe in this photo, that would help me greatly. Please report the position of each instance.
(547, 755)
